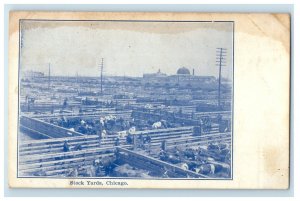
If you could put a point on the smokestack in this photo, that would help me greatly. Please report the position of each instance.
(193, 71)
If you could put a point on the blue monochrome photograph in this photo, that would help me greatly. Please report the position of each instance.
(131, 99)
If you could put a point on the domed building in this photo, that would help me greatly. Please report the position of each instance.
(183, 71)
(183, 78)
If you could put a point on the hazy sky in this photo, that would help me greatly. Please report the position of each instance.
(128, 48)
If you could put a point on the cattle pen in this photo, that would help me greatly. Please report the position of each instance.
(46, 157)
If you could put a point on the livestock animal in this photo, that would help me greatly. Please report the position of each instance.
(129, 139)
(90, 171)
(224, 146)
(103, 134)
(213, 147)
(183, 166)
(72, 129)
(73, 172)
(206, 169)
(132, 130)
(157, 125)
(164, 156)
(147, 139)
(77, 147)
(190, 153)
(82, 122)
(102, 121)
(108, 121)
(148, 106)
(66, 146)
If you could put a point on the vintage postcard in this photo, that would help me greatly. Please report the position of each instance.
(149, 100)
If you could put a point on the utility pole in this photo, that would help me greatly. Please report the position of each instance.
(124, 84)
(101, 75)
(49, 76)
(220, 62)
(76, 77)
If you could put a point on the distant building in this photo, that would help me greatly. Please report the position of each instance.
(150, 76)
(183, 78)
(31, 74)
